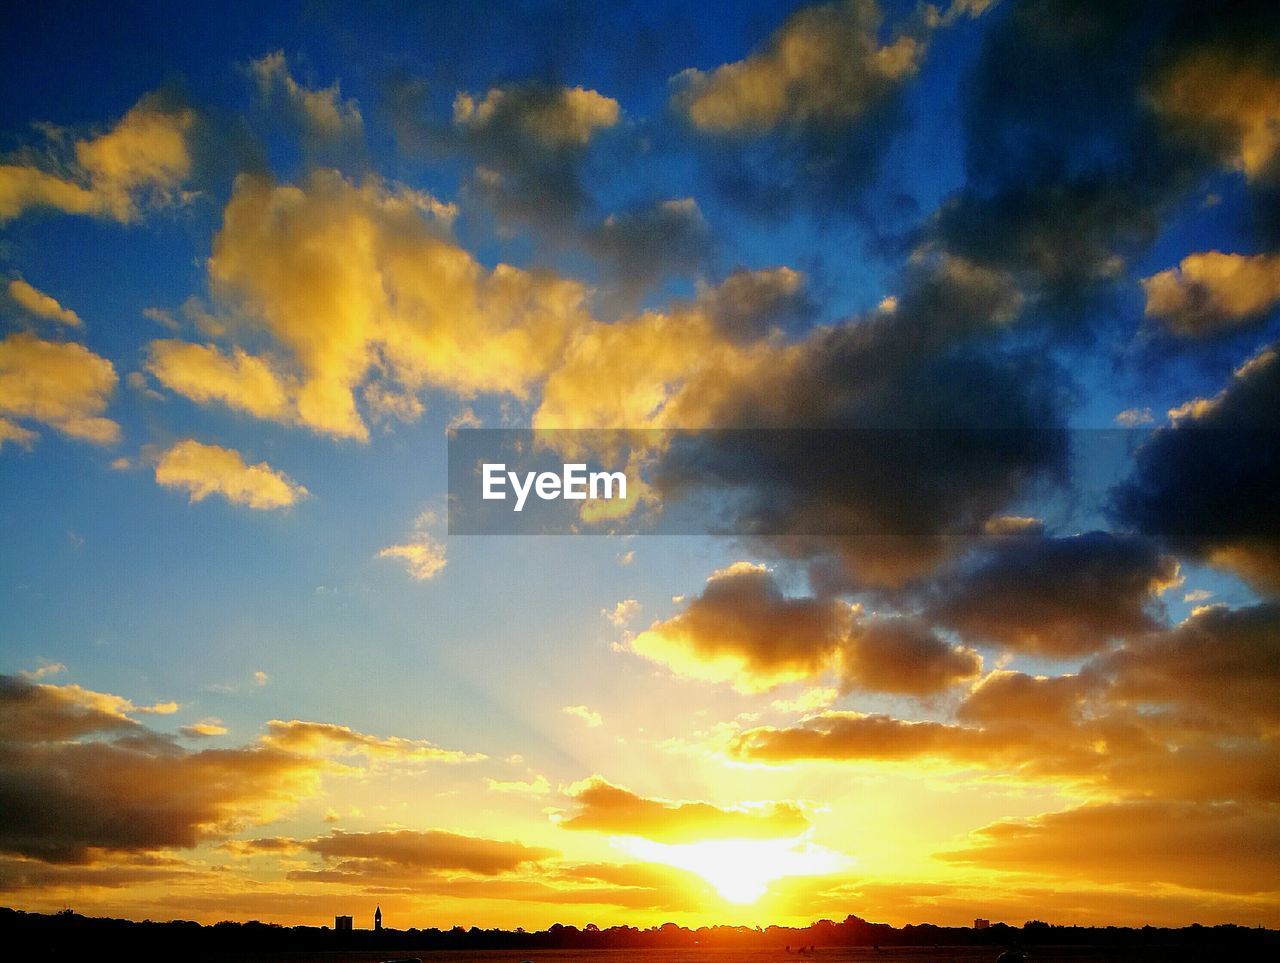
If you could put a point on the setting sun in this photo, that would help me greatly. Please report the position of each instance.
(741, 870)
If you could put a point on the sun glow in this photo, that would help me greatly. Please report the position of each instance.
(741, 869)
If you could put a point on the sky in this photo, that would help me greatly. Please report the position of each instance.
(1001, 640)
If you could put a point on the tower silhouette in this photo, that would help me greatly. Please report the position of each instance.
(377, 918)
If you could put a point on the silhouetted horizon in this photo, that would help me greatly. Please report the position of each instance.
(67, 931)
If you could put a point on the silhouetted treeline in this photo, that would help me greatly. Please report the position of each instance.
(69, 933)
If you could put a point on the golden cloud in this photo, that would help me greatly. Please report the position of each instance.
(826, 64)
(321, 739)
(743, 629)
(41, 305)
(391, 852)
(1228, 848)
(351, 280)
(556, 117)
(424, 555)
(205, 470)
(1232, 101)
(63, 385)
(205, 374)
(144, 159)
(606, 808)
(1211, 292)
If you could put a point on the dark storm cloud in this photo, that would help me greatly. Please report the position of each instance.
(1058, 597)
(1209, 485)
(1221, 662)
(1072, 163)
(644, 244)
(905, 656)
(913, 428)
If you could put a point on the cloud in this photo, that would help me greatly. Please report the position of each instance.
(141, 162)
(1134, 418)
(239, 380)
(622, 613)
(553, 117)
(423, 555)
(751, 304)
(1006, 697)
(606, 808)
(825, 65)
(905, 656)
(42, 712)
(853, 468)
(1228, 848)
(1071, 165)
(530, 142)
(319, 739)
(405, 309)
(538, 786)
(644, 244)
(321, 115)
(1212, 293)
(204, 729)
(63, 385)
(1205, 486)
(591, 719)
(41, 305)
(68, 797)
(1218, 660)
(389, 852)
(43, 670)
(1224, 95)
(806, 116)
(742, 629)
(205, 470)
(857, 736)
(1057, 597)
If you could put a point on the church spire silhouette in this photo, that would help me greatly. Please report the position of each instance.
(377, 918)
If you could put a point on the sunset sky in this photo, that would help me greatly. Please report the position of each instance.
(257, 262)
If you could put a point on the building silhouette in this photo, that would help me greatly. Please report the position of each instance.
(342, 924)
(377, 919)
(981, 924)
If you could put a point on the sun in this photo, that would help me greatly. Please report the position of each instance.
(741, 870)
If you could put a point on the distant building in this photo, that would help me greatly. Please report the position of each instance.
(981, 924)
(377, 918)
(342, 924)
